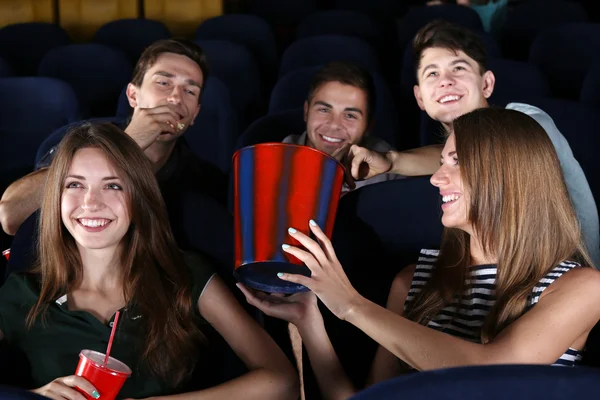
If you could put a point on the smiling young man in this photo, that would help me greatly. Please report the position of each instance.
(339, 112)
(452, 80)
(165, 95)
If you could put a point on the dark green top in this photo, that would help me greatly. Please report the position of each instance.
(53, 347)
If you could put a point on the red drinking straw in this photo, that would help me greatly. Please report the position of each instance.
(112, 336)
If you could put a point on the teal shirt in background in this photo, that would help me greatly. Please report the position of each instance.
(492, 15)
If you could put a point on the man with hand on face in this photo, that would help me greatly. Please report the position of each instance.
(339, 112)
(165, 94)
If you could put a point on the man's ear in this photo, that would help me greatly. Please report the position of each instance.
(132, 95)
(305, 110)
(489, 82)
(195, 115)
(418, 97)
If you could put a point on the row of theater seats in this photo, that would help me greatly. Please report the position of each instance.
(255, 34)
(466, 383)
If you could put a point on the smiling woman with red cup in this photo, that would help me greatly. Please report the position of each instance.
(106, 250)
(511, 284)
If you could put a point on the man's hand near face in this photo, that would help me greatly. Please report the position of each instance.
(148, 123)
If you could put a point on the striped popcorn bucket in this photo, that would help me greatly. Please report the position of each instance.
(277, 186)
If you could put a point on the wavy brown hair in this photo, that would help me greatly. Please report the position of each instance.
(155, 280)
(519, 208)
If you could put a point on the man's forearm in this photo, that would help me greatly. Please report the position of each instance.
(416, 162)
(21, 199)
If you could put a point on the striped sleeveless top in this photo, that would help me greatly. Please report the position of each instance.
(478, 299)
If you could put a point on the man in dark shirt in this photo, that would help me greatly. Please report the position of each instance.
(165, 95)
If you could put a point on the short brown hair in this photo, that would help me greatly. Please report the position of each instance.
(449, 36)
(183, 47)
(347, 74)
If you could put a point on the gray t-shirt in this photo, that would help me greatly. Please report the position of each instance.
(368, 142)
(579, 189)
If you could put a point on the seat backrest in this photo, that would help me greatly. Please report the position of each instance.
(273, 128)
(319, 50)
(469, 383)
(212, 137)
(528, 18)
(289, 12)
(24, 45)
(340, 22)
(30, 109)
(591, 87)
(392, 8)
(250, 31)
(564, 57)
(238, 69)
(395, 219)
(96, 72)
(5, 69)
(199, 213)
(283, 17)
(516, 81)
(131, 36)
(291, 91)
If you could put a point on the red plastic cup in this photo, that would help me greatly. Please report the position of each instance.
(6, 253)
(107, 378)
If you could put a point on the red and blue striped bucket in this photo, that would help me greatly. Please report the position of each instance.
(277, 186)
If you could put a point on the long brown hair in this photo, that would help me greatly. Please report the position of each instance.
(155, 279)
(519, 208)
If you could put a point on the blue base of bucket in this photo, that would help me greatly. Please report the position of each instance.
(263, 276)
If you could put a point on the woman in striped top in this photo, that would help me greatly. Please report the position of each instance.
(511, 283)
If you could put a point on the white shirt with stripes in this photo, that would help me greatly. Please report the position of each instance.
(478, 300)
